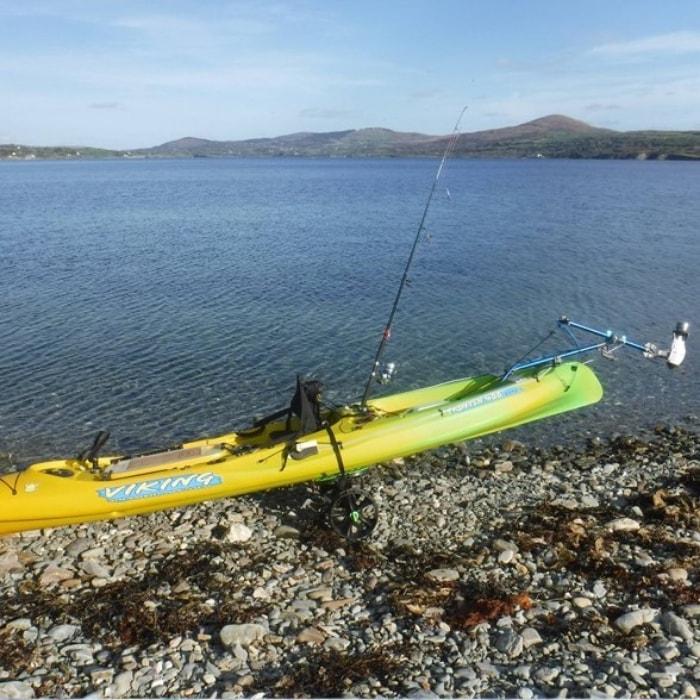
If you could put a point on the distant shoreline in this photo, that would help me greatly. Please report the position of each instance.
(551, 137)
(672, 157)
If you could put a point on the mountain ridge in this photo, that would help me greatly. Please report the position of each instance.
(551, 136)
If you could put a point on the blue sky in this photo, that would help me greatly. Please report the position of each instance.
(129, 74)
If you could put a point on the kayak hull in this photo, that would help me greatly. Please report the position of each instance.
(64, 492)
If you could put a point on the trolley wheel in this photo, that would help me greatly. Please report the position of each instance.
(353, 514)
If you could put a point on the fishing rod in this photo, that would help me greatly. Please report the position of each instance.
(387, 329)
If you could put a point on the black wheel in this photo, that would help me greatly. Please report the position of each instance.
(353, 514)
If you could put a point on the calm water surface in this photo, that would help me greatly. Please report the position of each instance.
(166, 299)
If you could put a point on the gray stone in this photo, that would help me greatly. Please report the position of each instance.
(599, 590)
(627, 622)
(16, 690)
(504, 467)
(323, 594)
(241, 634)
(121, 685)
(622, 525)
(523, 671)
(677, 626)
(421, 693)
(443, 575)
(99, 676)
(688, 690)
(509, 643)
(678, 574)
(468, 672)
(61, 633)
(311, 635)
(530, 637)
(488, 669)
(9, 563)
(504, 546)
(546, 674)
(692, 610)
(506, 556)
(93, 553)
(93, 568)
(54, 574)
(668, 651)
(20, 624)
(643, 560)
(238, 532)
(336, 644)
(287, 532)
(77, 547)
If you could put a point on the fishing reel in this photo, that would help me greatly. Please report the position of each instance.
(385, 372)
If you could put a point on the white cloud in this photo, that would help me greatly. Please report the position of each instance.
(673, 42)
(321, 113)
(105, 105)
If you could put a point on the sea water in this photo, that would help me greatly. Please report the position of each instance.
(166, 299)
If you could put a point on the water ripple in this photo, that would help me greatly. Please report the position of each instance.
(167, 299)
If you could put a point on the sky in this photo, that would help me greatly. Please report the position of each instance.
(127, 74)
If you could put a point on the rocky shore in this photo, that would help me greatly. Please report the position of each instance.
(499, 571)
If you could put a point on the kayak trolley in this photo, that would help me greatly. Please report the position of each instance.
(353, 514)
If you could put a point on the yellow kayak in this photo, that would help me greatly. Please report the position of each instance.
(277, 453)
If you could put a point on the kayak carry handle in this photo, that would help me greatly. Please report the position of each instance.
(90, 455)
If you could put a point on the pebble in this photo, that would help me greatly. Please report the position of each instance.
(9, 562)
(504, 546)
(622, 525)
(16, 690)
(336, 644)
(506, 557)
(546, 674)
(244, 635)
(311, 635)
(692, 610)
(54, 574)
(101, 676)
(627, 622)
(689, 690)
(530, 637)
(238, 532)
(676, 626)
(93, 568)
(121, 684)
(443, 575)
(286, 532)
(61, 633)
(510, 643)
(678, 575)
